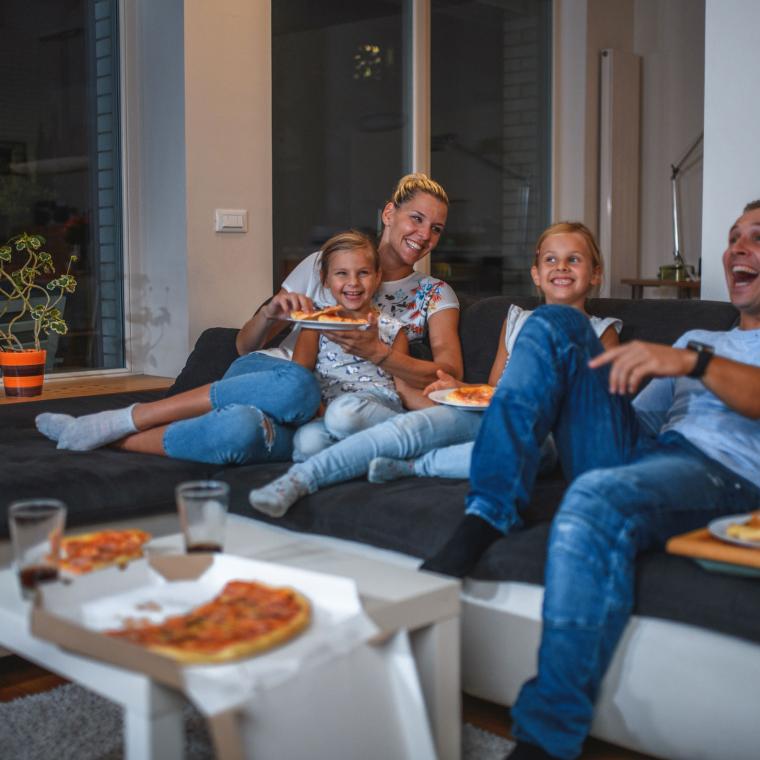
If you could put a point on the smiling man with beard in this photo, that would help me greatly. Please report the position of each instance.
(685, 451)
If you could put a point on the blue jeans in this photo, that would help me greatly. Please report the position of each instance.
(628, 493)
(344, 416)
(454, 461)
(256, 407)
(402, 437)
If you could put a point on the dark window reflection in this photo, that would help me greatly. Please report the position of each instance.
(59, 160)
(337, 122)
(490, 139)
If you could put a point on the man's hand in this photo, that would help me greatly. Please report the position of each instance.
(280, 306)
(633, 362)
(444, 382)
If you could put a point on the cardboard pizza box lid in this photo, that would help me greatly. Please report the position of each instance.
(74, 614)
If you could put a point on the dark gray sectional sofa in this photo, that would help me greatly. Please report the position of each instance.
(409, 516)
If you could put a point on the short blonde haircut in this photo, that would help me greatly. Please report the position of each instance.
(350, 240)
(411, 184)
(578, 228)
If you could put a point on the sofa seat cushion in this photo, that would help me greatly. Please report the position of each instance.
(415, 515)
(96, 485)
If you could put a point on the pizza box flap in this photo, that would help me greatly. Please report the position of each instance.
(74, 614)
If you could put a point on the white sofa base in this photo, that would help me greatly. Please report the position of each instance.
(673, 691)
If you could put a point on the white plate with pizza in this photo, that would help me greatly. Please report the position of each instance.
(326, 325)
(329, 318)
(740, 530)
(474, 397)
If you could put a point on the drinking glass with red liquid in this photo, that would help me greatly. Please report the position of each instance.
(36, 528)
(202, 508)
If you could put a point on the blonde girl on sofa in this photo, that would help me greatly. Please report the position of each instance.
(356, 393)
(567, 267)
(413, 221)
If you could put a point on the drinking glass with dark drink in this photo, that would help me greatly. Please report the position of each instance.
(202, 507)
(36, 527)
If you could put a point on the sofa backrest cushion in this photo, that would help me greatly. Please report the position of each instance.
(661, 320)
(214, 351)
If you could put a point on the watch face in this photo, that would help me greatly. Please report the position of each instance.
(696, 345)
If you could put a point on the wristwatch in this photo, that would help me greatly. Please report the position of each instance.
(704, 354)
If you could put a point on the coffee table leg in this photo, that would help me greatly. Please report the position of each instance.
(436, 652)
(155, 736)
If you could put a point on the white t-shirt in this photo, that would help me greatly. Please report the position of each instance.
(411, 300)
(516, 319)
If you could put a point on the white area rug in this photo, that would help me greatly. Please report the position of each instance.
(71, 723)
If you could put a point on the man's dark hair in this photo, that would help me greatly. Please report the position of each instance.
(751, 206)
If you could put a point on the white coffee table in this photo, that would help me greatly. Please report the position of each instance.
(395, 596)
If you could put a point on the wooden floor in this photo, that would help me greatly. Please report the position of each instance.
(19, 678)
(93, 385)
(495, 718)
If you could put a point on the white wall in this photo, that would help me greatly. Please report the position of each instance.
(670, 38)
(229, 158)
(198, 112)
(155, 185)
(732, 116)
(569, 109)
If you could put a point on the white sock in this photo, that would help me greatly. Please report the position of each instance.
(383, 469)
(276, 498)
(51, 425)
(95, 430)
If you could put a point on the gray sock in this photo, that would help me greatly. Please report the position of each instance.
(276, 498)
(51, 425)
(383, 469)
(92, 431)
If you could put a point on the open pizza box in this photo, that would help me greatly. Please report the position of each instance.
(75, 614)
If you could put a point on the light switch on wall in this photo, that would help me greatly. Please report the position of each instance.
(230, 220)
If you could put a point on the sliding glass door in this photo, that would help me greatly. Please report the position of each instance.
(337, 120)
(342, 133)
(60, 161)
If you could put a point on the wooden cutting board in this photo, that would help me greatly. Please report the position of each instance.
(700, 544)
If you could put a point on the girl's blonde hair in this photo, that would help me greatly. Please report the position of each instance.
(579, 229)
(350, 240)
(411, 184)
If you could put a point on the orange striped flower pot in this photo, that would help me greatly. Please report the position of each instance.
(23, 372)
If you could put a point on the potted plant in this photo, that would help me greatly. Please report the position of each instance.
(30, 295)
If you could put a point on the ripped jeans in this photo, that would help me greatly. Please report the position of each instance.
(256, 408)
(629, 493)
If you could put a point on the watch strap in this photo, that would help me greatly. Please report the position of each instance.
(704, 355)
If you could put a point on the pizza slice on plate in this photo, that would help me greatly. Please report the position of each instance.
(472, 395)
(330, 314)
(244, 619)
(746, 531)
(103, 548)
(301, 315)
